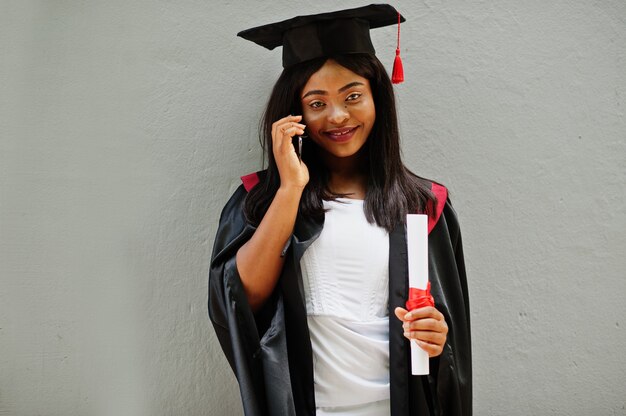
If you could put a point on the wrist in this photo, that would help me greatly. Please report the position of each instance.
(290, 191)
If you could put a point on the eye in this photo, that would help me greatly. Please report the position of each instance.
(353, 96)
(316, 104)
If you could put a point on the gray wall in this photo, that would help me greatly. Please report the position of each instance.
(125, 125)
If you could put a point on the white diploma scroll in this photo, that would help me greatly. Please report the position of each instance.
(417, 245)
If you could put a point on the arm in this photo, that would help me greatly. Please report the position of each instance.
(259, 260)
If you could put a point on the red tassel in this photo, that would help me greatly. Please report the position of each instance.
(397, 75)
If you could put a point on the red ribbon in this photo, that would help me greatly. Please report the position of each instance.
(419, 298)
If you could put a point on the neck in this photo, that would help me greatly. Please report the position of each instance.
(348, 176)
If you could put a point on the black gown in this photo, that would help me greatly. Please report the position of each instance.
(270, 351)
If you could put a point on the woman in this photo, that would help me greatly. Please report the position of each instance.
(309, 273)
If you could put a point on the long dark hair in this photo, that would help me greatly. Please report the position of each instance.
(392, 189)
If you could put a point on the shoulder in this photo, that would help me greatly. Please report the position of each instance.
(251, 180)
(237, 199)
(235, 207)
(435, 209)
(445, 217)
(232, 222)
(441, 210)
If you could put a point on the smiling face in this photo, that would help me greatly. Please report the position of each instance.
(338, 110)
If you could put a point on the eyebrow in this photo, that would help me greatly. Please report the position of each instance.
(342, 89)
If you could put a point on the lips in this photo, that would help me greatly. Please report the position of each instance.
(340, 135)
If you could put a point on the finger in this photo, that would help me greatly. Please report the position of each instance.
(426, 324)
(278, 123)
(287, 144)
(425, 312)
(284, 132)
(433, 350)
(293, 118)
(400, 313)
(291, 129)
(287, 119)
(434, 347)
(427, 336)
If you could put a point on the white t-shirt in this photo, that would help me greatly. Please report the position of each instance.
(346, 282)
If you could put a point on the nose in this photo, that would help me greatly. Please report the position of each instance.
(338, 114)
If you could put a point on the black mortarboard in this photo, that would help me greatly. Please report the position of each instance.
(318, 35)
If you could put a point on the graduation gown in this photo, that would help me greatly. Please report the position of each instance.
(270, 351)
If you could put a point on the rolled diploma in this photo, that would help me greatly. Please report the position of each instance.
(417, 245)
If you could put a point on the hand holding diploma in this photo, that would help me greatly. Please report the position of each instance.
(423, 325)
(426, 326)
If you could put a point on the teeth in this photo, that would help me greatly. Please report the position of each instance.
(340, 133)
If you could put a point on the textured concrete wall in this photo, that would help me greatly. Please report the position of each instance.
(124, 127)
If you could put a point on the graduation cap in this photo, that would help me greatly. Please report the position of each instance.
(342, 32)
